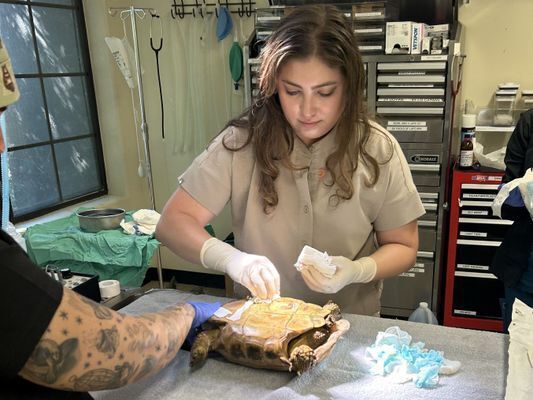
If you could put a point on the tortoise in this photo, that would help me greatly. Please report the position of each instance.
(285, 334)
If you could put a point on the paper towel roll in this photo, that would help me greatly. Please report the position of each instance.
(109, 288)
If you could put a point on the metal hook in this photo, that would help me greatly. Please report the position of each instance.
(177, 10)
(241, 10)
(203, 9)
(248, 9)
(217, 6)
(124, 14)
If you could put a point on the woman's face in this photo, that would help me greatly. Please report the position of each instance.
(311, 96)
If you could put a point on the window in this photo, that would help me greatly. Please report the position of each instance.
(53, 138)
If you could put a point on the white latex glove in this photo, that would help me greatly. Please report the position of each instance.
(362, 270)
(256, 273)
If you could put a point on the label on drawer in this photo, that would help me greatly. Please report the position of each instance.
(464, 312)
(479, 196)
(474, 212)
(425, 158)
(406, 123)
(473, 266)
(473, 234)
(407, 274)
(407, 128)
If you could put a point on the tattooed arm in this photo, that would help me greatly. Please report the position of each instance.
(90, 347)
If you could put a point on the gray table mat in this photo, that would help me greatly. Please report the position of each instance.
(342, 375)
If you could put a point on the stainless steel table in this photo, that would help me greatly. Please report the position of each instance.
(343, 375)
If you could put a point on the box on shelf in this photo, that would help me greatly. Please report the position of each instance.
(398, 37)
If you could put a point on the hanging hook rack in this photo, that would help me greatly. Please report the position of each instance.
(202, 8)
(177, 10)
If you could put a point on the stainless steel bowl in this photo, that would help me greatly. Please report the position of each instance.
(99, 219)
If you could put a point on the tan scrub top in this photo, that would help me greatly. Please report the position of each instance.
(304, 214)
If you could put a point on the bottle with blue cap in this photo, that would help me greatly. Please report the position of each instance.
(423, 314)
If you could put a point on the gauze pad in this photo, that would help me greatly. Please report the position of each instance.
(320, 261)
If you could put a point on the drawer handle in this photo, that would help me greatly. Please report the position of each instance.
(424, 254)
(481, 275)
(430, 206)
(425, 167)
(432, 224)
(425, 195)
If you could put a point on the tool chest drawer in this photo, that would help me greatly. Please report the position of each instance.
(470, 295)
(483, 228)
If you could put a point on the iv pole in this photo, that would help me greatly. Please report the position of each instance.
(144, 125)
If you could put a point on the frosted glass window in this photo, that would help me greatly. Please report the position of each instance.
(53, 138)
(58, 40)
(17, 37)
(32, 179)
(67, 106)
(78, 168)
(26, 119)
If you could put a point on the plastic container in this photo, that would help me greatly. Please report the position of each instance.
(423, 314)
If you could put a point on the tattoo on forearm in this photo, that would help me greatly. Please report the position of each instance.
(147, 367)
(49, 360)
(100, 311)
(103, 378)
(107, 341)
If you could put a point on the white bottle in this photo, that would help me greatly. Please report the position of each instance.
(423, 314)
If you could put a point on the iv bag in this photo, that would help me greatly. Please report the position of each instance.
(122, 53)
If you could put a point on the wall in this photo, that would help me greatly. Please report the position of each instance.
(498, 46)
(197, 94)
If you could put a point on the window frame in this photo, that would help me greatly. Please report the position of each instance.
(95, 135)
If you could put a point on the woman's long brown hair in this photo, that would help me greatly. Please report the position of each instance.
(320, 31)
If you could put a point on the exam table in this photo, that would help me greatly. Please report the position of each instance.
(342, 375)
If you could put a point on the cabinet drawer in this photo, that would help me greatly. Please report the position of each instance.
(483, 228)
(408, 289)
(427, 235)
(477, 295)
(412, 129)
(478, 192)
(476, 209)
(475, 254)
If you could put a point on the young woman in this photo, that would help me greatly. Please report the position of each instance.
(302, 166)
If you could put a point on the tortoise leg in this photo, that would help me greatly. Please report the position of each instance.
(302, 358)
(202, 345)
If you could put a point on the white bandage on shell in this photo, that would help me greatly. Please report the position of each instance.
(109, 288)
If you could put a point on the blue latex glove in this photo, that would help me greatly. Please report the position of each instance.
(202, 312)
(515, 198)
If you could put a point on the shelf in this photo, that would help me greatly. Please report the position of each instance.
(492, 128)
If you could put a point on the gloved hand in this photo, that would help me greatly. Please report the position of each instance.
(256, 273)
(362, 270)
(515, 198)
(202, 312)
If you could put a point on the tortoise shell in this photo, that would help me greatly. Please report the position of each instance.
(260, 335)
